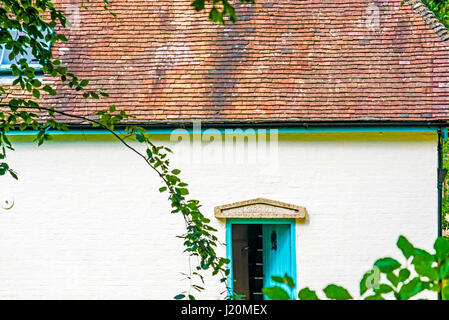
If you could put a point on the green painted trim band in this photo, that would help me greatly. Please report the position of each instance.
(279, 130)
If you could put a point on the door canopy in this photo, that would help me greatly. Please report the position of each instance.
(260, 208)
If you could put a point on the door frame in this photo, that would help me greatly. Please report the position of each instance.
(291, 222)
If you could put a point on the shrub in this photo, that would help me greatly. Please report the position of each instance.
(422, 271)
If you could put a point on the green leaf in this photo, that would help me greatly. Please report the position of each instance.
(335, 292)
(444, 270)
(289, 281)
(387, 265)
(374, 297)
(404, 274)
(411, 289)
(369, 280)
(423, 254)
(3, 168)
(36, 93)
(36, 83)
(307, 294)
(445, 293)
(198, 5)
(276, 293)
(229, 11)
(394, 280)
(277, 279)
(216, 16)
(424, 268)
(50, 90)
(179, 296)
(13, 174)
(140, 137)
(405, 246)
(176, 171)
(383, 288)
(286, 279)
(441, 247)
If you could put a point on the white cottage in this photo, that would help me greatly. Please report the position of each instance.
(311, 135)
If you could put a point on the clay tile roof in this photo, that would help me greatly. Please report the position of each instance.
(284, 60)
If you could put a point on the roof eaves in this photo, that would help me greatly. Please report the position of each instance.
(430, 18)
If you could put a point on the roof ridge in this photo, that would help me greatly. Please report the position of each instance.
(430, 18)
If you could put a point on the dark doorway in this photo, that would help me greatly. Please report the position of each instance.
(247, 260)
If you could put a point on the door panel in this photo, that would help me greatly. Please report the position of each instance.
(240, 259)
(276, 253)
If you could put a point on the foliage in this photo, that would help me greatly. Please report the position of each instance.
(422, 271)
(219, 10)
(440, 8)
(28, 26)
(445, 200)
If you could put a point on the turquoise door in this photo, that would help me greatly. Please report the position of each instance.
(277, 259)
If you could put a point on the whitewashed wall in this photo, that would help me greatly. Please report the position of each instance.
(88, 221)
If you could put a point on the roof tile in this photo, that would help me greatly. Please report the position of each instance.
(283, 60)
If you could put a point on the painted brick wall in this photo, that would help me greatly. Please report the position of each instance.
(88, 221)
